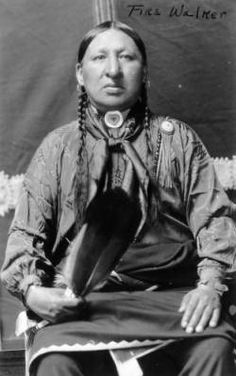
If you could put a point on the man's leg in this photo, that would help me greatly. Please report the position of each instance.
(192, 357)
(158, 363)
(205, 357)
(58, 364)
(75, 364)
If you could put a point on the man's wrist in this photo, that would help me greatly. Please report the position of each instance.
(219, 287)
(213, 275)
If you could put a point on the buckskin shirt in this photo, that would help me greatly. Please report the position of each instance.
(187, 234)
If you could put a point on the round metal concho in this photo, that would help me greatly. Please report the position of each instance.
(167, 127)
(113, 119)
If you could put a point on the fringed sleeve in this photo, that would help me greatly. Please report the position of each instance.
(27, 259)
(208, 210)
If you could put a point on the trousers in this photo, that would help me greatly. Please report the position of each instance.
(189, 357)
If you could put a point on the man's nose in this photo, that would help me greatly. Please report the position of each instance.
(113, 67)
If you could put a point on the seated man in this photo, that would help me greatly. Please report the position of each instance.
(168, 291)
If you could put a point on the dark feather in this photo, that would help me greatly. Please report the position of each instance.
(112, 219)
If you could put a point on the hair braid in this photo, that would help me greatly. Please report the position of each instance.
(81, 179)
(144, 99)
(82, 105)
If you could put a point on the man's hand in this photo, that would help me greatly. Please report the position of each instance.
(201, 307)
(53, 305)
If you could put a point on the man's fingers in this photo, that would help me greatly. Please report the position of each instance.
(210, 316)
(201, 307)
(69, 308)
(215, 317)
(204, 319)
(189, 309)
(197, 315)
(73, 302)
(184, 303)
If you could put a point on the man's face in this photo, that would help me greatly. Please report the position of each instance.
(112, 71)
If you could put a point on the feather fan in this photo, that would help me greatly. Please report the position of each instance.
(112, 219)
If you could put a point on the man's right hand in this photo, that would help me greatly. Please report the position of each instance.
(53, 305)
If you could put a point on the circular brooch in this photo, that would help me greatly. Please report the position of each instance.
(167, 127)
(113, 119)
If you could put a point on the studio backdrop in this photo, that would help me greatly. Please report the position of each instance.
(191, 47)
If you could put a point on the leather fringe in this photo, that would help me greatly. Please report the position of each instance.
(166, 173)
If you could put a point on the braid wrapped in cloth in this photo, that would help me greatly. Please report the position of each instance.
(80, 182)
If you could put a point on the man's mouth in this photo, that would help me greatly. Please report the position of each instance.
(113, 88)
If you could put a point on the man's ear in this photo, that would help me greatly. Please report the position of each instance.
(79, 74)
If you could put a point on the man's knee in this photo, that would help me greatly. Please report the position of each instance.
(75, 363)
(57, 364)
(211, 356)
(222, 347)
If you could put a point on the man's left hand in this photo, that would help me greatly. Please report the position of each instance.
(201, 307)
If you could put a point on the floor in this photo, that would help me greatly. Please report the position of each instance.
(12, 363)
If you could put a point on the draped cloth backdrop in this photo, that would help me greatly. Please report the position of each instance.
(191, 47)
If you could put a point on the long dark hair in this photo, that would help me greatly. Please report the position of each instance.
(81, 186)
(88, 38)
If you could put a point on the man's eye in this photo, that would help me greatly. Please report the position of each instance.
(99, 57)
(127, 57)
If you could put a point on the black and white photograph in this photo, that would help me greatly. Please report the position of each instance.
(118, 188)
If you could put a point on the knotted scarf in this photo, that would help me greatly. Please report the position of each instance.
(136, 177)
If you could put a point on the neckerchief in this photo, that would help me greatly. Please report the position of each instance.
(136, 176)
